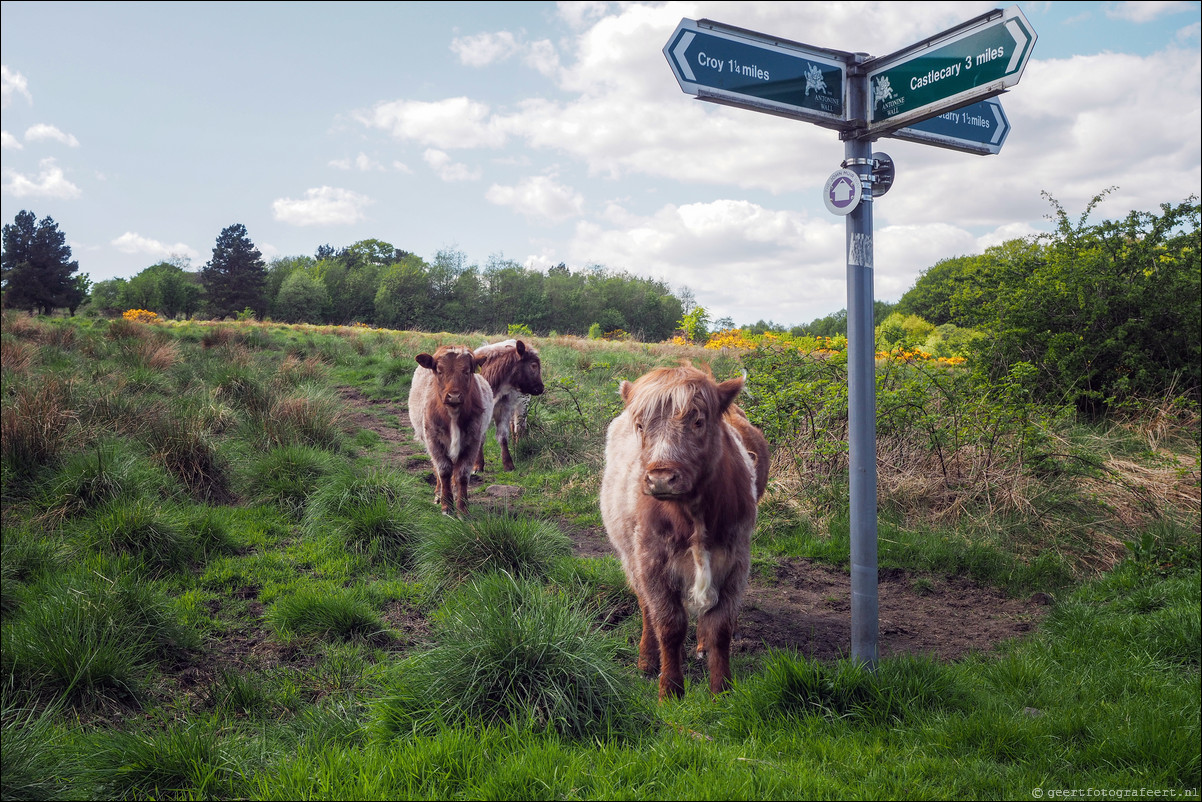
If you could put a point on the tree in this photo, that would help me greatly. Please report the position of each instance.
(301, 298)
(234, 279)
(36, 268)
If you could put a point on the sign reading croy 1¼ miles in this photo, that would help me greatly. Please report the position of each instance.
(735, 67)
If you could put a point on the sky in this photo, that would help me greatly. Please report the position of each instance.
(548, 133)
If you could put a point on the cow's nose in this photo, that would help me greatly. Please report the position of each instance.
(454, 399)
(662, 481)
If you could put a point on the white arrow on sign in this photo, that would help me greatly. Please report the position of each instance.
(681, 59)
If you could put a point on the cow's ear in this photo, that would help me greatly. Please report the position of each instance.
(625, 389)
(425, 360)
(728, 391)
(521, 348)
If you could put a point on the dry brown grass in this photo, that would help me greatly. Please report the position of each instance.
(16, 356)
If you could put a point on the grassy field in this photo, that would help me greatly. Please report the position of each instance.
(218, 585)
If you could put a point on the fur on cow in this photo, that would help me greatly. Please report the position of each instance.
(684, 470)
(514, 371)
(450, 405)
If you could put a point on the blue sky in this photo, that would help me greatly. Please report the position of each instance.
(555, 132)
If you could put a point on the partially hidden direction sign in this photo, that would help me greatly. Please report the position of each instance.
(979, 128)
(940, 92)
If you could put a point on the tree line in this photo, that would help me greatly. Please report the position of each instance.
(369, 282)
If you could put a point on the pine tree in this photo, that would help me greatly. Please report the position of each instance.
(234, 279)
(36, 270)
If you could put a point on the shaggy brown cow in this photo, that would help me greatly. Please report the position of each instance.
(450, 406)
(513, 370)
(684, 469)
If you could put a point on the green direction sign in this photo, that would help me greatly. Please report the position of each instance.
(735, 67)
(976, 60)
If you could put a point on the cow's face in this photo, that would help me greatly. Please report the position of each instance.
(453, 369)
(529, 373)
(677, 415)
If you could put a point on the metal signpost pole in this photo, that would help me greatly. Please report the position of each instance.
(861, 393)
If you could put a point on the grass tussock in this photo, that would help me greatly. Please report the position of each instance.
(455, 550)
(36, 423)
(377, 514)
(89, 635)
(321, 610)
(514, 651)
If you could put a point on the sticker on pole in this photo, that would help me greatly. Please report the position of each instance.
(842, 192)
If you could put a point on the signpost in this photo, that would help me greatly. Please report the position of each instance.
(981, 128)
(979, 59)
(936, 92)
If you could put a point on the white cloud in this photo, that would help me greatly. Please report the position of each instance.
(12, 83)
(1148, 10)
(486, 48)
(541, 56)
(132, 243)
(448, 170)
(50, 182)
(452, 123)
(322, 206)
(748, 262)
(36, 133)
(539, 199)
(7, 140)
(362, 162)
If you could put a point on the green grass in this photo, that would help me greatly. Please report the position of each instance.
(453, 550)
(212, 590)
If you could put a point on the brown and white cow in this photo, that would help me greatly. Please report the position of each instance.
(450, 406)
(514, 371)
(684, 470)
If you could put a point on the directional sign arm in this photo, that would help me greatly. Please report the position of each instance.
(971, 62)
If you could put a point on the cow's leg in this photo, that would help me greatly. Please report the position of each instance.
(479, 466)
(444, 490)
(648, 644)
(461, 477)
(714, 630)
(503, 439)
(671, 621)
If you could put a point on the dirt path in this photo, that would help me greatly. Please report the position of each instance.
(803, 606)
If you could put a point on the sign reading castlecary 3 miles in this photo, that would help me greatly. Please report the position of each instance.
(729, 65)
(971, 62)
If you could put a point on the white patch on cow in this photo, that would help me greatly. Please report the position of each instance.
(703, 595)
(456, 440)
